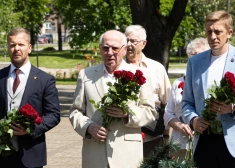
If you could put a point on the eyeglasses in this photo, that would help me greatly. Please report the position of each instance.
(135, 42)
(114, 49)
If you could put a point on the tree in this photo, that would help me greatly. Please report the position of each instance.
(160, 29)
(8, 19)
(57, 13)
(32, 14)
(88, 19)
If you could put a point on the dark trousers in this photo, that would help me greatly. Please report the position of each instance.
(13, 161)
(212, 152)
(150, 145)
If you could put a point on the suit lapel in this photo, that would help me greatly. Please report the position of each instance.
(204, 69)
(230, 60)
(31, 84)
(98, 77)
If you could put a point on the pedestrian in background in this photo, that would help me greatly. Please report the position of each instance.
(173, 110)
(136, 41)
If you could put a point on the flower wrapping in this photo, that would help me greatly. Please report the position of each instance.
(125, 88)
(225, 93)
(26, 116)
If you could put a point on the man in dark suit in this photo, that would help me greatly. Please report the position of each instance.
(36, 88)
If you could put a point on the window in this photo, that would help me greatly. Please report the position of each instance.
(48, 25)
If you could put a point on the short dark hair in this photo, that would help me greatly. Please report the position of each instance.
(19, 30)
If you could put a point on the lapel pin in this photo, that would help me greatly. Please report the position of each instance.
(232, 60)
(34, 77)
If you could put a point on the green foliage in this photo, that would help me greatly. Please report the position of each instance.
(89, 19)
(26, 117)
(193, 24)
(223, 93)
(8, 19)
(162, 157)
(126, 88)
(28, 14)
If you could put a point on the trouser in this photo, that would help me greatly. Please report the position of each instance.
(150, 146)
(212, 152)
(12, 161)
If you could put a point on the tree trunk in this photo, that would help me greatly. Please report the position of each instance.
(160, 29)
(59, 34)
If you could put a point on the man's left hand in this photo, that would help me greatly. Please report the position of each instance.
(115, 111)
(18, 129)
(221, 107)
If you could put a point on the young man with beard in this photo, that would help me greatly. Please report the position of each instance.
(22, 83)
(136, 41)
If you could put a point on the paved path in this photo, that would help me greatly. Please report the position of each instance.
(63, 143)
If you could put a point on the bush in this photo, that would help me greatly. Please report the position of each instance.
(49, 49)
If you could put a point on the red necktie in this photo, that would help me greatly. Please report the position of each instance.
(17, 80)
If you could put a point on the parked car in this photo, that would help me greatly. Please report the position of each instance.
(42, 39)
(49, 37)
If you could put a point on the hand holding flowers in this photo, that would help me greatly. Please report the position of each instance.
(220, 101)
(113, 104)
(19, 122)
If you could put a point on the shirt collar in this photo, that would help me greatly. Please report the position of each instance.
(143, 62)
(24, 69)
(106, 72)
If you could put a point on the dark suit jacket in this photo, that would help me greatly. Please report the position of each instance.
(41, 93)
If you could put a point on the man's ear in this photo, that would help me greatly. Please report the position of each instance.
(144, 43)
(230, 32)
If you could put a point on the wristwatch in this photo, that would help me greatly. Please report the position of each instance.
(191, 123)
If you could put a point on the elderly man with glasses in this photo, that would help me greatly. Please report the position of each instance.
(136, 41)
(120, 145)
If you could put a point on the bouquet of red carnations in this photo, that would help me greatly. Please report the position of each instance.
(126, 87)
(226, 93)
(26, 116)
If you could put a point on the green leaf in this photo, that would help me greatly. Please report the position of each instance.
(10, 131)
(92, 102)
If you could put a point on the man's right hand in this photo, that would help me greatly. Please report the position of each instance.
(200, 125)
(97, 132)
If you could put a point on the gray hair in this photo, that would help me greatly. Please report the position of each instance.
(136, 29)
(17, 31)
(124, 39)
(197, 43)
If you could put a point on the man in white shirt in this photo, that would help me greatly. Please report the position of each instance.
(210, 149)
(136, 41)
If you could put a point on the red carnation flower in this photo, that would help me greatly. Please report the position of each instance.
(129, 76)
(117, 74)
(138, 73)
(141, 80)
(181, 85)
(29, 112)
(143, 135)
(38, 120)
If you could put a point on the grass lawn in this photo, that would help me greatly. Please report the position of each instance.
(68, 59)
